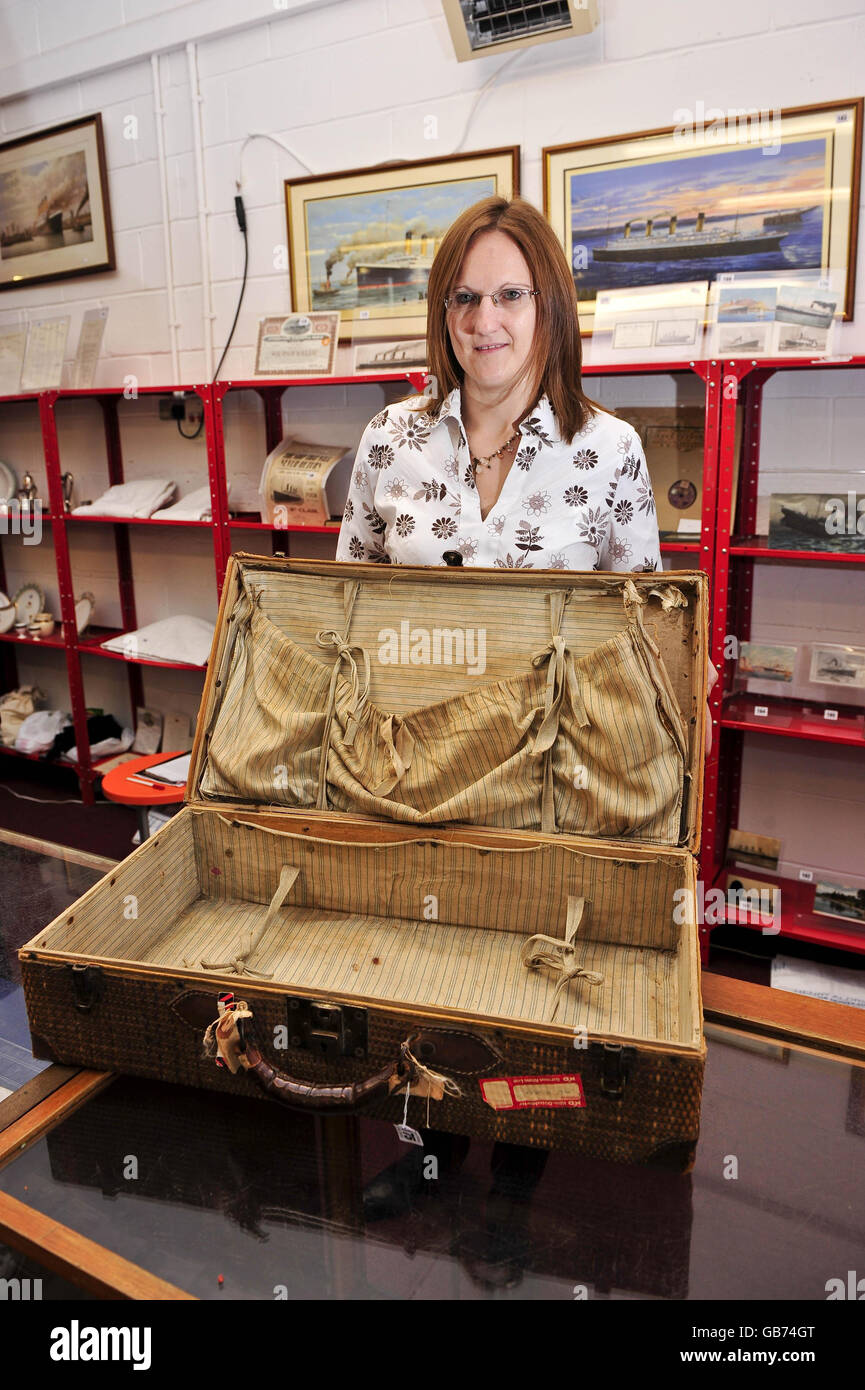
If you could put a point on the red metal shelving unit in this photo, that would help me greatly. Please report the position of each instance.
(66, 638)
(798, 920)
(794, 719)
(738, 549)
(271, 391)
(728, 562)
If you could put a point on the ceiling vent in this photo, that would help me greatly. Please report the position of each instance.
(479, 27)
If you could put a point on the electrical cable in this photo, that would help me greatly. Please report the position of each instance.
(240, 214)
(240, 211)
(482, 93)
(274, 140)
(197, 432)
(47, 801)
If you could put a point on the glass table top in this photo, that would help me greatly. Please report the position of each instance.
(193, 1186)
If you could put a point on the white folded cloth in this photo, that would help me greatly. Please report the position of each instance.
(105, 746)
(38, 731)
(183, 638)
(194, 507)
(130, 499)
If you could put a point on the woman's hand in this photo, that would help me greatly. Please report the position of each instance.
(713, 677)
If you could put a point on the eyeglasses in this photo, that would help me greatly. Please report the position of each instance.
(464, 302)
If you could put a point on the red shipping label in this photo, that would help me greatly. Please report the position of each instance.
(533, 1092)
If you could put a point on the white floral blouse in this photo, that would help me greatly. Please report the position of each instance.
(581, 504)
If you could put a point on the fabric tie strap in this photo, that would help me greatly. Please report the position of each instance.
(400, 747)
(326, 637)
(560, 956)
(560, 674)
(249, 940)
(359, 692)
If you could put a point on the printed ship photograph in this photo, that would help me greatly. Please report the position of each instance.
(685, 242)
(813, 521)
(696, 216)
(45, 205)
(370, 249)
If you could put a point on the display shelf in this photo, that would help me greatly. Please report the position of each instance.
(90, 645)
(134, 521)
(737, 550)
(16, 753)
(790, 718)
(246, 522)
(416, 379)
(798, 920)
(55, 640)
(758, 548)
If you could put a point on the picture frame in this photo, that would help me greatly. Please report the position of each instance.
(619, 194)
(55, 213)
(362, 240)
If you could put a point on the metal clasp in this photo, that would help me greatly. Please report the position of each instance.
(86, 985)
(330, 1030)
(615, 1065)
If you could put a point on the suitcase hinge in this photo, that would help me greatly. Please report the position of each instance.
(615, 1065)
(86, 985)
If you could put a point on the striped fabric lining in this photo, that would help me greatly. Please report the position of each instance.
(474, 757)
(124, 914)
(514, 616)
(522, 891)
(204, 881)
(431, 964)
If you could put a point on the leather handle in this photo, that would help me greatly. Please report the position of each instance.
(310, 1095)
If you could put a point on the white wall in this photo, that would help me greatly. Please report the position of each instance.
(350, 84)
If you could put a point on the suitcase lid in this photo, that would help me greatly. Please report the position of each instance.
(549, 696)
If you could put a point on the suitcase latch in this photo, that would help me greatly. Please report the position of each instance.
(86, 985)
(615, 1064)
(330, 1030)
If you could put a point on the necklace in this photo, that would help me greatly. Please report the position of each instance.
(488, 461)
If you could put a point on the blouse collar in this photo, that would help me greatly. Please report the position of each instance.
(540, 419)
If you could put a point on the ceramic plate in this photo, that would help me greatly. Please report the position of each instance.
(8, 483)
(8, 614)
(29, 601)
(83, 611)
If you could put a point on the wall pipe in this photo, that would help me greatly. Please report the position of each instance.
(203, 212)
(159, 114)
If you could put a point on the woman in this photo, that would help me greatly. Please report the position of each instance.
(507, 463)
(511, 465)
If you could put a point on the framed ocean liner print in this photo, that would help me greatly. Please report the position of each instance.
(55, 217)
(773, 192)
(363, 241)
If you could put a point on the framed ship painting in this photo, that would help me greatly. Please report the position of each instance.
(363, 241)
(734, 191)
(55, 220)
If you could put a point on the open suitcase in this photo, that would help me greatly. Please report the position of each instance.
(436, 860)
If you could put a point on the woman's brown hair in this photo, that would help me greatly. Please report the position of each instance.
(555, 362)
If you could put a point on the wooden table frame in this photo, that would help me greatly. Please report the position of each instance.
(736, 1007)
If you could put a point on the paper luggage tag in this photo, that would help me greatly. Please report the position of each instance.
(408, 1135)
(533, 1092)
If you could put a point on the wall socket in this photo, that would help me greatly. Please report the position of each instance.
(181, 405)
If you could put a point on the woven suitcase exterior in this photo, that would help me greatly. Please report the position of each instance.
(655, 1121)
(641, 1099)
